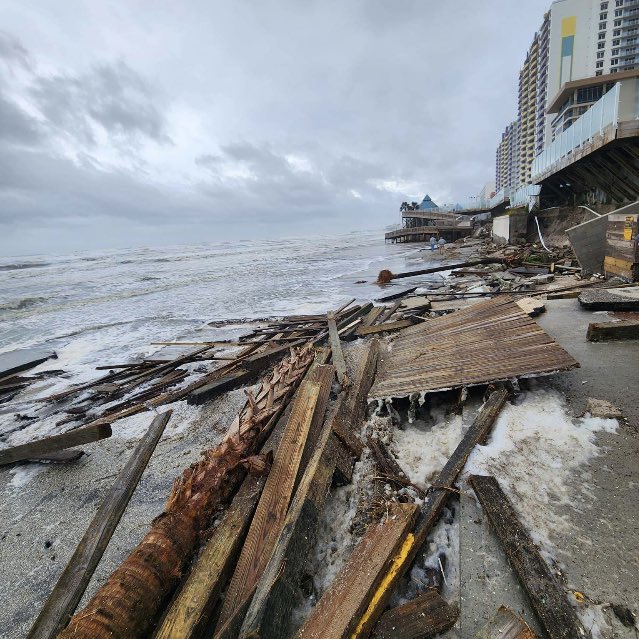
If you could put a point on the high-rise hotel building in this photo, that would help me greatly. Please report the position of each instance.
(577, 40)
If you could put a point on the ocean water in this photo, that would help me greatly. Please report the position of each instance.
(108, 307)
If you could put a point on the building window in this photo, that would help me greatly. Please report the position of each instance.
(601, 45)
(618, 13)
(602, 26)
(616, 32)
(604, 6)
(603, 16)
(615, 52)
(602, 36)
(611, 71)
(631, 40)
(615, 43)
(599, 65)
(614, 62)
(599, 72)
(619, 3)
(616, 23)
(600, 55)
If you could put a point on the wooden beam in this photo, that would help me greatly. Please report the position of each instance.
(336, 349)
(425, 616)
(506, 625)
(546, 594)
(191, 610)
(277, 592)
(214, 389)
(309, 406)
(338, 612)
(68, 591)
(434, 503)
(605, 331)
(372, 316)
(384, 328)
(39, 447)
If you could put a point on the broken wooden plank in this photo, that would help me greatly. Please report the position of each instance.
(59, 457)
(384, 328)
(344, 462)
(214, 389)
(278, 590)
(372, 316)
(609, 331)
(338, 611)
(77, 437)
(309, 404)
(506, 625)
(191, 610)
(434, 503)
(336, 349)
(546, 594)
(531, 306)
(425, 616)
(69, 589)
(396, 295)
(386, 276)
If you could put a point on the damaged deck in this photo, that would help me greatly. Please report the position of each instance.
(490, 341)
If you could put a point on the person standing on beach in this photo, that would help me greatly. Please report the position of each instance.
(433, 241)
(442, 243)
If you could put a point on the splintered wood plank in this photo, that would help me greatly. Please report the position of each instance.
(69, 589)
(278, 591)
(506, 625)
(310, 400)
(340, 608)
(384, 328)
(546, 595)
(423, 617)
(336, 348)
(40, 447)
(191, 610)
(373, 315)
(434, 503)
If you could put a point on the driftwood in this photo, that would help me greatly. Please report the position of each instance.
(388, 276)
(69, 589)
(506, 625)
(307, 415)
(130, 602)
(337, 613)
(41, 447)
(434, 503)
(425, 616)
(546, 594)
(278, 591)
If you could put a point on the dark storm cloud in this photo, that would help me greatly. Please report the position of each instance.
(113, 96)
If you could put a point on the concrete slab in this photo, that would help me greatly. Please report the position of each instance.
(611, 299)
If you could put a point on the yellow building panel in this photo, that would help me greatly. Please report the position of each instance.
(569, 27)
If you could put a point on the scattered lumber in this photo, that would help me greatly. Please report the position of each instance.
(388, 312)
(425, 616)
(75, 578)
(337, 613)
(336, 349)
(506, 625)
(386, 276)
(546, 595)
(372, 316)
(206, 393)
(120, 608)
(40, 447)
(278, 590)
(394, 296)
(386, 327)
(607, 331)
(434, 503)
(191, 611)
(307, 414)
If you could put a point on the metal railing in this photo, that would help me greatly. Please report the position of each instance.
(604, 113)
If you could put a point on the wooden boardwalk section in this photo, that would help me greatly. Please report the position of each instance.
(487, 342)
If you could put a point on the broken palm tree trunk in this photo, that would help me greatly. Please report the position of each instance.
(546, 594)
(130, 602)
(68, 591)
(307, 416)
(506, 625)
(386, 276)
(278, 591)
(191, 611)
(436, 499)
(337, 613)
(425, 616)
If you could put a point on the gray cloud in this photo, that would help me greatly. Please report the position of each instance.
(16, 127)
(12, 51)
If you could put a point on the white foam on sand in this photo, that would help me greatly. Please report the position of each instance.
(22, 475)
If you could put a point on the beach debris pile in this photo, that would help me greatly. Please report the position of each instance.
(230, 554)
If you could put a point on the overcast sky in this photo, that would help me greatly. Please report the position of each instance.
(139, 122)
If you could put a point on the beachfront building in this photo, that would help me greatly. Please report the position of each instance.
(577, 40)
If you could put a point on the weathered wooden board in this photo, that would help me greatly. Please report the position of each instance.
(434, 503)
(309, 406)
(216, 388)
(546, 594)
(491, 341)
(506, 625)
(396, 294)
(372, 316)
(338, 612)
(605, 331)
(336, 349)
(278, 590)
(69, 589)
(40, 447)
(531, 306)
(425, 616)
(386, 327)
